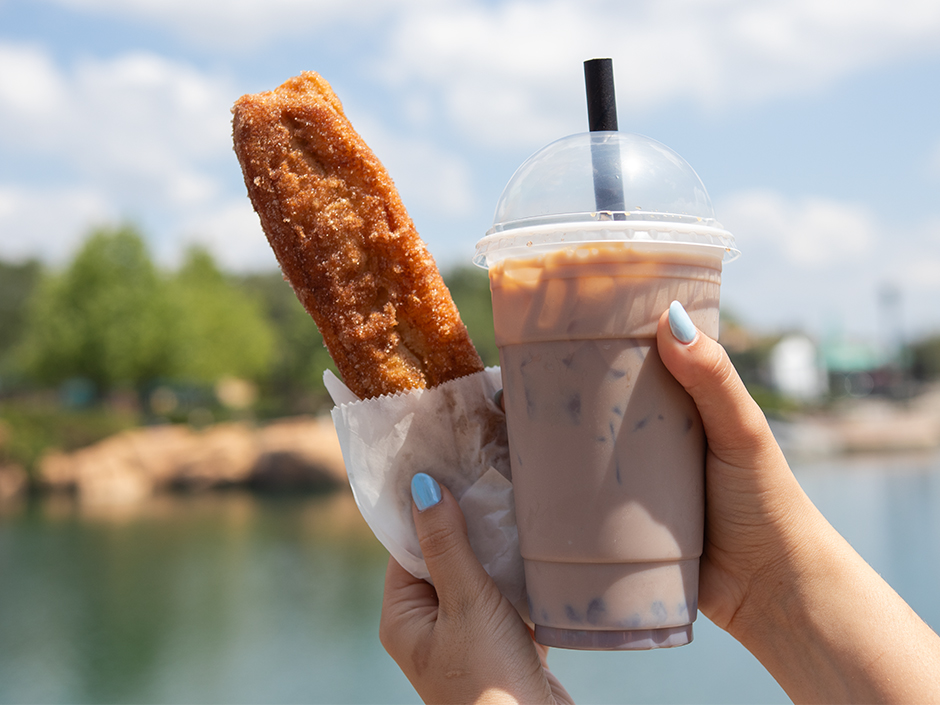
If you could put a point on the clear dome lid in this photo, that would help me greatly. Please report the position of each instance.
(601, 186)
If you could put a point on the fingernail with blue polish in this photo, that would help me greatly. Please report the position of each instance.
(680, 324)
(425, 491)
(498, 398)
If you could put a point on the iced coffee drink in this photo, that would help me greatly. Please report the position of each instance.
(607, 449)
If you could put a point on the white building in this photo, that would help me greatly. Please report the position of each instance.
(797, 370)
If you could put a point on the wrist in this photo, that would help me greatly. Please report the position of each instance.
(792, 619)
(829, 629)
(773, 598)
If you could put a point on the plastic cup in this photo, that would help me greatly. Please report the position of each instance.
(607, 449)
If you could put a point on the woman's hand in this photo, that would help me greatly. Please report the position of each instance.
(459, 640)
(755, 509)
(774, 573)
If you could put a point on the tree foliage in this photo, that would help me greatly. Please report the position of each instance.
(925, 359)
(294, 382)
(17, 283)
(112, 318)
(220, 329)
(107, 318)
(470, 289)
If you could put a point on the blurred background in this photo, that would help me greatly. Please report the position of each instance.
(175, 524)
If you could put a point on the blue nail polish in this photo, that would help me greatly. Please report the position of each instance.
(680, 324)
(425, 491)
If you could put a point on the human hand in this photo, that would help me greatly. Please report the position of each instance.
(774, 573)
(755, 509)
(459, 640)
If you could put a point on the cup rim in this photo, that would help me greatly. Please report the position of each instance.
(497, 245)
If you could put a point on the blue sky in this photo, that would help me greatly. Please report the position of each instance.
(814, 125)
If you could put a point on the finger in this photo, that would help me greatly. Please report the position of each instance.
(458, 577)
(734, 424)
(409, 606)
(400, 585)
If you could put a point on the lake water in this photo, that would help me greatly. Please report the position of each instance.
(231, 598)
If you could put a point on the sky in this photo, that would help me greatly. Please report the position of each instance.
(815, 127)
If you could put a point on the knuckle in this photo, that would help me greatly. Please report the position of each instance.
(392, 641)
(713, 369)
(720, 367)
(386, 635)
(438, 541)
(465, 606)
(390, 629)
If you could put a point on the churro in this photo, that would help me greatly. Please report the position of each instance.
(346, 243)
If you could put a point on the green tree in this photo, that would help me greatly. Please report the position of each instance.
(470, 289)
(925, 359)
(221, 330)
(295, 378)
(107, 318)
(17, 282)
(112, 318)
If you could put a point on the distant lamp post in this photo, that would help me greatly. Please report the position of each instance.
(889, 304)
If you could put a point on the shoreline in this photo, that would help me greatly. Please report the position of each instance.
(867, 426)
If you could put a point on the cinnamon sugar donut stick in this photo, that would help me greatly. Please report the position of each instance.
(346, 243)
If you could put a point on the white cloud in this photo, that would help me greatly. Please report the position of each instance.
(151, 133)
(241, 24)
(501, 71)
(511, 71)
(232, 233)
(150, 119)
(139, 124)
(922, 274)
(426, 176)
(810, 232)
(155, 135)
(30, 85)
(915, 257)
(820, 264)
(48, 224)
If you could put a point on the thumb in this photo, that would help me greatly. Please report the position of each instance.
(734, 424)
(456, 573)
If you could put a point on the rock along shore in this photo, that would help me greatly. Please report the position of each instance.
(293, 454)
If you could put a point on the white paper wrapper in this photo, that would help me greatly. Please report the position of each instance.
(456, 434)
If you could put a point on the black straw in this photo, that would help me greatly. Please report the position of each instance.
(602, 117)
(601, 98)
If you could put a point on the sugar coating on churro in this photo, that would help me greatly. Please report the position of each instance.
(346, 243)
